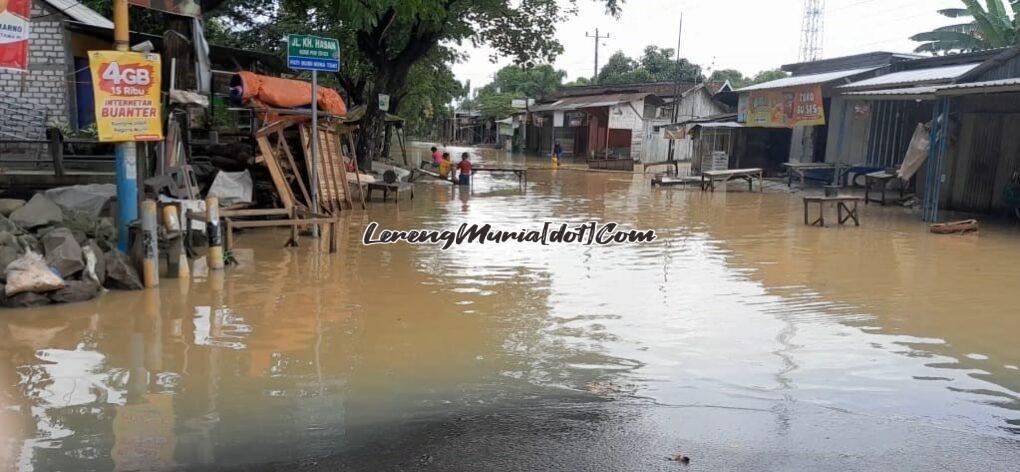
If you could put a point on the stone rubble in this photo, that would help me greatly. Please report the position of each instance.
(63, 255)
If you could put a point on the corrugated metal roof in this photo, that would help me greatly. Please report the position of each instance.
(811, 79)
(931, 91)
(919, 76)
(908, 93)
(977, 87)
(81, 13)
(574, 103)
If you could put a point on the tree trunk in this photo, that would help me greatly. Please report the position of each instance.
(371, 131)
(388, 139)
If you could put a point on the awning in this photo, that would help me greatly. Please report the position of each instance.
(932, 92)
(909, 93)
(718, 124)
(913, 77)
(591, 101)
(810, 79)
(974, 88)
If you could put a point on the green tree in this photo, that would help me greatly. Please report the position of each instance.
(431, 88)
(735, 77)
(494, 100)
(383, 40)
(578, 82)
(990, 26)
(655, 65)
(767, 76)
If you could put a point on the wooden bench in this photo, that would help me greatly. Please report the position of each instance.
(843, 205)
(520, 173)
(674, 164)
(800, 169)
(396, 188)
(880, 181)
(710, 177)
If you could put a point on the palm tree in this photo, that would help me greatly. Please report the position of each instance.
(991, 26)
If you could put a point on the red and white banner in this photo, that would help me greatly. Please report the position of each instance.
(14, 22)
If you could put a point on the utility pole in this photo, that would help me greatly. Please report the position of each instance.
(675, 112)
(598, 38)
(126, 152)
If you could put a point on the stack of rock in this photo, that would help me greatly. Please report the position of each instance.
(53, 255)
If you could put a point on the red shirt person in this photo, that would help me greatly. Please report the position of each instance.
(464, 166)
(437, 157)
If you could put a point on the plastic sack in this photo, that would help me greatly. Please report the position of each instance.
(917, 153)
(232, 187)
(29, 273)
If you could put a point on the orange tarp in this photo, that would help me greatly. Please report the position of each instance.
(287, 93)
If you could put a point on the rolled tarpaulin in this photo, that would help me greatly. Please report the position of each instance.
(284, 93)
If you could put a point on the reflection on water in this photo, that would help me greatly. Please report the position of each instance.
(736, 305)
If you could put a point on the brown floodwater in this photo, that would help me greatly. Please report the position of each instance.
(740, 337)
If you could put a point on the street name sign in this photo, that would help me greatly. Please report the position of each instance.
(313, 53)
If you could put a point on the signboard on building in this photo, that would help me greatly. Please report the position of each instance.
(14, 24)
(786, 108)
(177, 7)
(127, 94)
(522, 103)
(313, 53)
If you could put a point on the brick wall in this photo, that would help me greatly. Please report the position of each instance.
(45, 86)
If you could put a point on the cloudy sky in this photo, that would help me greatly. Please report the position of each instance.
(747, 35)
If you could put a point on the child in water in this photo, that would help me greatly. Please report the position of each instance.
(464, 166)
(436, 156)
(446, 167)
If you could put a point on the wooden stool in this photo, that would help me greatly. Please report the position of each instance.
(846, 209)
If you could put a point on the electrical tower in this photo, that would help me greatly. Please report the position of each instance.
(812, 30)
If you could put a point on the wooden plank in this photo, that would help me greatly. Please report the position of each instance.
(282, 187)
(293, 165)
(348, 135)
(330, 170)
(326, 198)
(331, 142)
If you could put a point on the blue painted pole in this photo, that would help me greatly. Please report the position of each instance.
(127, 173)
(127, 191)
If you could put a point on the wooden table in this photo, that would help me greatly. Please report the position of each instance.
(801, 168)
(882, 180)
(710, 177)
(521, 173)
(396, 188)
(844, 204)
(674, 164)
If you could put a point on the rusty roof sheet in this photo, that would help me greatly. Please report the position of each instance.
(81, 13)
(914, 77)
(810, 79)
(592, 101)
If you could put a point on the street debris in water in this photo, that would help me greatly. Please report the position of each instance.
(678, 457)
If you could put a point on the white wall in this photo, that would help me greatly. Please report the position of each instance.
(698, 104)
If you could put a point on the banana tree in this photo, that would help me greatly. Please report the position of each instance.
(991, 26)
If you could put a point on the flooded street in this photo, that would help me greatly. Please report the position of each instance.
(740, 338)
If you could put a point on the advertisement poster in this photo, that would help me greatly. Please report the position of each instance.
(177, 7)
(14, 24)
(786, 108)
(127, 91)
